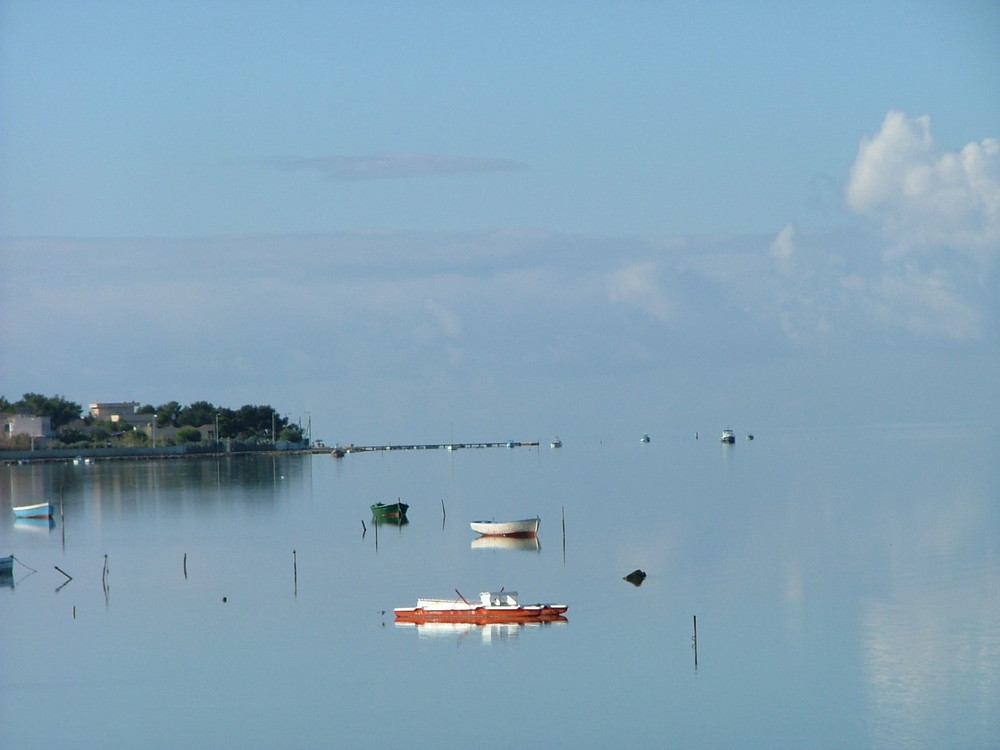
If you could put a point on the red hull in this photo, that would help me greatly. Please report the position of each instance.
(482, 615)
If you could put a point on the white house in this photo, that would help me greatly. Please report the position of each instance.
(111, 410)
(25, 424)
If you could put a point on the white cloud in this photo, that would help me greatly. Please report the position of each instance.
(783, 248)
(636, 285)
(926, 304)
(927, 198)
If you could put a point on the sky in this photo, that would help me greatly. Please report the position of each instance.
(505, 220)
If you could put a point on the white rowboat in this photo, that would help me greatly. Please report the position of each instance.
(526, 527)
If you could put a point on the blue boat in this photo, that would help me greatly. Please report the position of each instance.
(39, 510)
(6, 565)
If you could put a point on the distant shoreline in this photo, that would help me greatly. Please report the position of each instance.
(62, 455)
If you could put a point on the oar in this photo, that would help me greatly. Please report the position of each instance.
(462, 597)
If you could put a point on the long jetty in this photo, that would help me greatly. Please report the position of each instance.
(437, 446)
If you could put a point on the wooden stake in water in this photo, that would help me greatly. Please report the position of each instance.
(564, 532)
(185, 566)
(295, 573)
(694, 639)
(64, 583)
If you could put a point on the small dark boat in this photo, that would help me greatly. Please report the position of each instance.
(390, 510)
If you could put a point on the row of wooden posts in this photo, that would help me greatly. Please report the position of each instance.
(295, 570)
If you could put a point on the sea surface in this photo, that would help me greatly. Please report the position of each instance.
(844, 586)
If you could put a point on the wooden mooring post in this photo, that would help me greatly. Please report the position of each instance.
(694, 639)
(564, 533)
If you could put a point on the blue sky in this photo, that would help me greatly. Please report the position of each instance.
(504, 217)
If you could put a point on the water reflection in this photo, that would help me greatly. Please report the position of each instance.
(34, 525)
(487, 634)
(932, 663)
(529, 544)
(123, 487)
(390, 520)
(858, 572)
(27, 484)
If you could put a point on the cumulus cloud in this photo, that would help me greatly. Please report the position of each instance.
(386, 166)
(926, 304)
(783, 248)
(636, 285)
(925, 197)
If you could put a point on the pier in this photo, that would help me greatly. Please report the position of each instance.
(439, 446)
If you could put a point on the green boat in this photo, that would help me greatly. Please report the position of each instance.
(389, 511)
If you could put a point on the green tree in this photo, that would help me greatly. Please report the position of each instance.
(292, 434)
(167, 414)
(188, 434)
(97, 435)
(257, 421)
(197, 414)
(58, 409)
(135, 439)
(227, 423)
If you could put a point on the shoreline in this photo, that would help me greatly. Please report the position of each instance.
(63, 455)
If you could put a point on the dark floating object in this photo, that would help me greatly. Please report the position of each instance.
(636, 577)
(393, 511)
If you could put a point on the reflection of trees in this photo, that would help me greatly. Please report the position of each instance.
(132, 483)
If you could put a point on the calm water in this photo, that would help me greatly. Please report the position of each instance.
(846, 587)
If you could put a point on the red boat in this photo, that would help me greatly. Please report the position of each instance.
(493, 606)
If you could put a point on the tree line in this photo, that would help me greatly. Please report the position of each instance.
(72, 427)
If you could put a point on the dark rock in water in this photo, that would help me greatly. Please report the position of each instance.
(636, 577)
